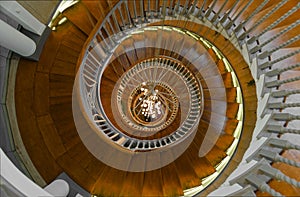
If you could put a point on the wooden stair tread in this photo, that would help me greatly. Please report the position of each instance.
(133, 186)
(224, 141)
(33, 139)
(51, 48)
(67, 54)
(61, 67)
(76, 32)
(95, 7)
(227, 79)
(51, 136)
(201, 165)
(94, 168)
(25, 76)
(78, 174)
(221, 66)
(231, 124)
(85, 21)
(186, 174)
(152, 185)
(61, 85)
(60, 100)
(215, 155)
(110, 178)
(41, 93)
(212, 54)
(231, 95)
(232, 109)
(171, 183)
(40, 155)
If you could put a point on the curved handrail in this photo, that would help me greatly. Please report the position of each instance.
(258, 63)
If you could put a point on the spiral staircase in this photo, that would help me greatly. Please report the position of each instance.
(224, 73)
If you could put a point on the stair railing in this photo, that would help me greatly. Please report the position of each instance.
(271, 121)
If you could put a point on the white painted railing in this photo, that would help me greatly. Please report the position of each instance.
(15, 183)
(270, 121)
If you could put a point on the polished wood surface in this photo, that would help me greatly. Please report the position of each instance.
(44, 111)
(59, 145)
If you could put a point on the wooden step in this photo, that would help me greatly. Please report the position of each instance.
(60, 100)
(61, 85)
(124, 61)
(139, 46)
(118, 69)
(224, 141)
(213, 55)
(257, 17)
(66, 34)
(170, 181)
(237, 9)
(61, 67)
(133, 184)
(232, 109)
(231, 124)
(110, 178)
(201, 133)
(74, 43)
(85, 21)
(153, 183)
(201, 166)
(231, 95)
(76, 32)
(216, 119)
(94, 168)
(221, 67)
(98, 9)
(82, 155)
(67, 54)
(76, 172)
(215, 155)
(227, 79)
(186, 174)
(41, 93)
(63, 118)
(51, 136)
(32, 137)
(131, 55)
(290, 19)
(283, 9)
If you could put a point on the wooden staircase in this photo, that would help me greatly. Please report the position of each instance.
(44, 103)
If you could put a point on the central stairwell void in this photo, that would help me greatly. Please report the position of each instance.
(153, 107)
(141, 89)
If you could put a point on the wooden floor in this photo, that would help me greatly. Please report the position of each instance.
(43, 95)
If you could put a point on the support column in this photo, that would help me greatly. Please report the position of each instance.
(14, 40)
(15, 11)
